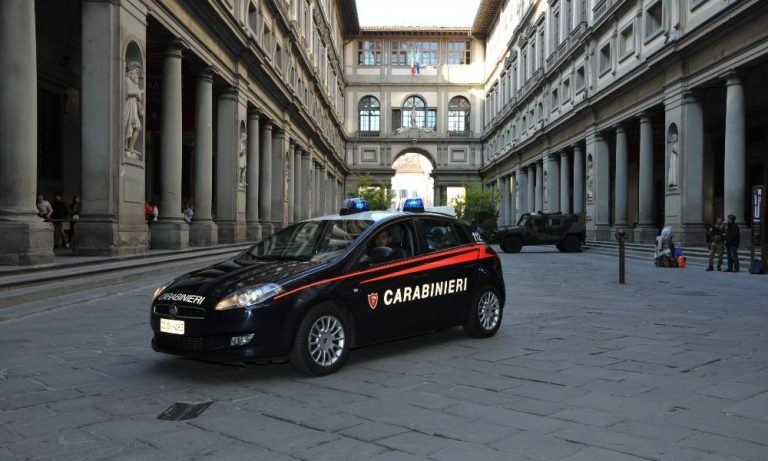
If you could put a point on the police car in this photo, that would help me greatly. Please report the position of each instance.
(312, 291)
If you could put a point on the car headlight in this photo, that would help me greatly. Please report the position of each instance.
(159, 290)
(249, 296)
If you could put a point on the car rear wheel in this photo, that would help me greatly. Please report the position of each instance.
(571, 244)
(322, 342)
(484, 314)
(512, 244)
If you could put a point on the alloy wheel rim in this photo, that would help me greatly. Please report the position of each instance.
(326, 340)
(488, 310)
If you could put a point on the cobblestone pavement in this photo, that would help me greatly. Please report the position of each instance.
(672, 365)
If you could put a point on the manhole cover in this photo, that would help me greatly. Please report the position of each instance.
(182, 411)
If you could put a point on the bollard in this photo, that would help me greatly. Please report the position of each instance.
(621, 235)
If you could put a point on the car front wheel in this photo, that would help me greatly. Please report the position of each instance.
(322, 342)
(512, 244)
(484, 314)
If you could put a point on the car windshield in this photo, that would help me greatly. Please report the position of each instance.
(309, 241)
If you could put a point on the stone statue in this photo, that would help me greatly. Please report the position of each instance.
(673, 160)
(133, 111)
(413, 119)
(671, 13)
(242, 160)
(546, 190)
(589, 178)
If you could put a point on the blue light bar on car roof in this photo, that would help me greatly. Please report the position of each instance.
(353, 205)
(414, 205)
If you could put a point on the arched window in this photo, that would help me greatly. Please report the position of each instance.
(414, 112)
(458, 114)
(369, 112)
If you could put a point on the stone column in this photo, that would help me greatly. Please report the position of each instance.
(531, 203)
(298, 184)
(113, 179)
(253, 226)
(513, 192)
(735, 151)
(692, 174)
(620, 183)
(227, 170)
(291, 181)
(504, 202)
(552, 183)
(265, 179)
(522, 195)
(316, 211)
(26, 239)
(322, 195)
(598, 206)
(330, 203)
(565, 183)
(645, 232)
(539, 198)
(437, 200)
(306, 184)
(203, 231)
(279, 150)
(170, 231)
(578, 179)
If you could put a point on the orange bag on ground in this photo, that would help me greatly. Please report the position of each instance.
(681, 261)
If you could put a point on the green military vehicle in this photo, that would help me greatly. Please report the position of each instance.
(566, 231)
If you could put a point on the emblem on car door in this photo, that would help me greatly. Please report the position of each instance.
(373, 300)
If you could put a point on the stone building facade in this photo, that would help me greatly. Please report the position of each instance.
(259, 113)
(414, 90)
(233, 106)
(637, 113)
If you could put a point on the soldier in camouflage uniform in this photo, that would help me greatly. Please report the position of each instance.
(716, 243)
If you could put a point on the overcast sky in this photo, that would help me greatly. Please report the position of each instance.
(417, 12)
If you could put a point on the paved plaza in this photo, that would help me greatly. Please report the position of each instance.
(673, 365)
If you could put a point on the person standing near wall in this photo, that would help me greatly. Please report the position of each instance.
(716, 236)
(74, 215)
(60, 214)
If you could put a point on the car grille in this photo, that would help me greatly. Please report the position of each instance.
(185, 343)
(183, 312)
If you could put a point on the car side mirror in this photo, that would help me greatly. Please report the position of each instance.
(379, 254)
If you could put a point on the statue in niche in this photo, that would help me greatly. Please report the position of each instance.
(589, 178)
(133, 111)
(413, 119)
(546, 190)
(674, 158)
(671, 14)
(242, 160)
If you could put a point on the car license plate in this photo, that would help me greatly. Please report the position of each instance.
(174, 327)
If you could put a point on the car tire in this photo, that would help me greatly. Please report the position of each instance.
(571, 244)
(512, 244)
(485, 313)
(322, 341)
